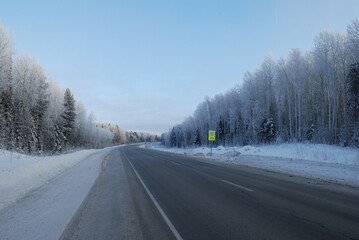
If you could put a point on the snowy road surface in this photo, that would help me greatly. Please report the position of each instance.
(209, 201)
(147, 194)
(216, 201)
(117, 207)
(45, 212)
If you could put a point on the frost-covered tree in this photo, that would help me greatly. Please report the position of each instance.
(353, 41)
(310, 133)
(37, 116)
(302, 96)
(119, 134)
(6, 105)
(80, 125)
(69, 117)
(197, 138)
(328, 53)
(353, 101)
(268, 131)
(293, 95)
(30, 99)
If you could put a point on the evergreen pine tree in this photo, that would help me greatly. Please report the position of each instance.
(173, 140)
(353, 101)
(268, 130)
(310, 133)
(7, 118)
(68, 116)
(197, 138)
(58, 137)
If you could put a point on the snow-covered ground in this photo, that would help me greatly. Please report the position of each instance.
(20, 174)
(319, 161)
(42, 211)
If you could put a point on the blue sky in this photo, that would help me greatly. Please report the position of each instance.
(146, 65)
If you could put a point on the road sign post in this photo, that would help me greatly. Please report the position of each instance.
(211, 138)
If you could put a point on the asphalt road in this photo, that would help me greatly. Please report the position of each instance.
(200, 200)
(116, 208)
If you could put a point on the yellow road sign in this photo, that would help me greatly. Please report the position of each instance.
(211, 135)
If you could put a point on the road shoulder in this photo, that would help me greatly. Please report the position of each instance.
(44, 212)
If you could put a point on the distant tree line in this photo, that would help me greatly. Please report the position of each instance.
(305, 96)
(120, 136)
(37, 116)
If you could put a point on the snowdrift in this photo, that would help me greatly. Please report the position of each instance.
(19, 174)
(319, 161)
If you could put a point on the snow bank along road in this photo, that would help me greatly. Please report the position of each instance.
(147, 194)
(44, 212)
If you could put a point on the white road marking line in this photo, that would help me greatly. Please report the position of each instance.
(250, 190)
(163, 214)
(175, 163)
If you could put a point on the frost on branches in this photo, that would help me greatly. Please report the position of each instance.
(37, 116)
(310, 96)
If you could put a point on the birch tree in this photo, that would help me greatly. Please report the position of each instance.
(30, 99)
(6, 104)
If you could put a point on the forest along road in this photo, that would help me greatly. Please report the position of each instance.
(147, 194)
